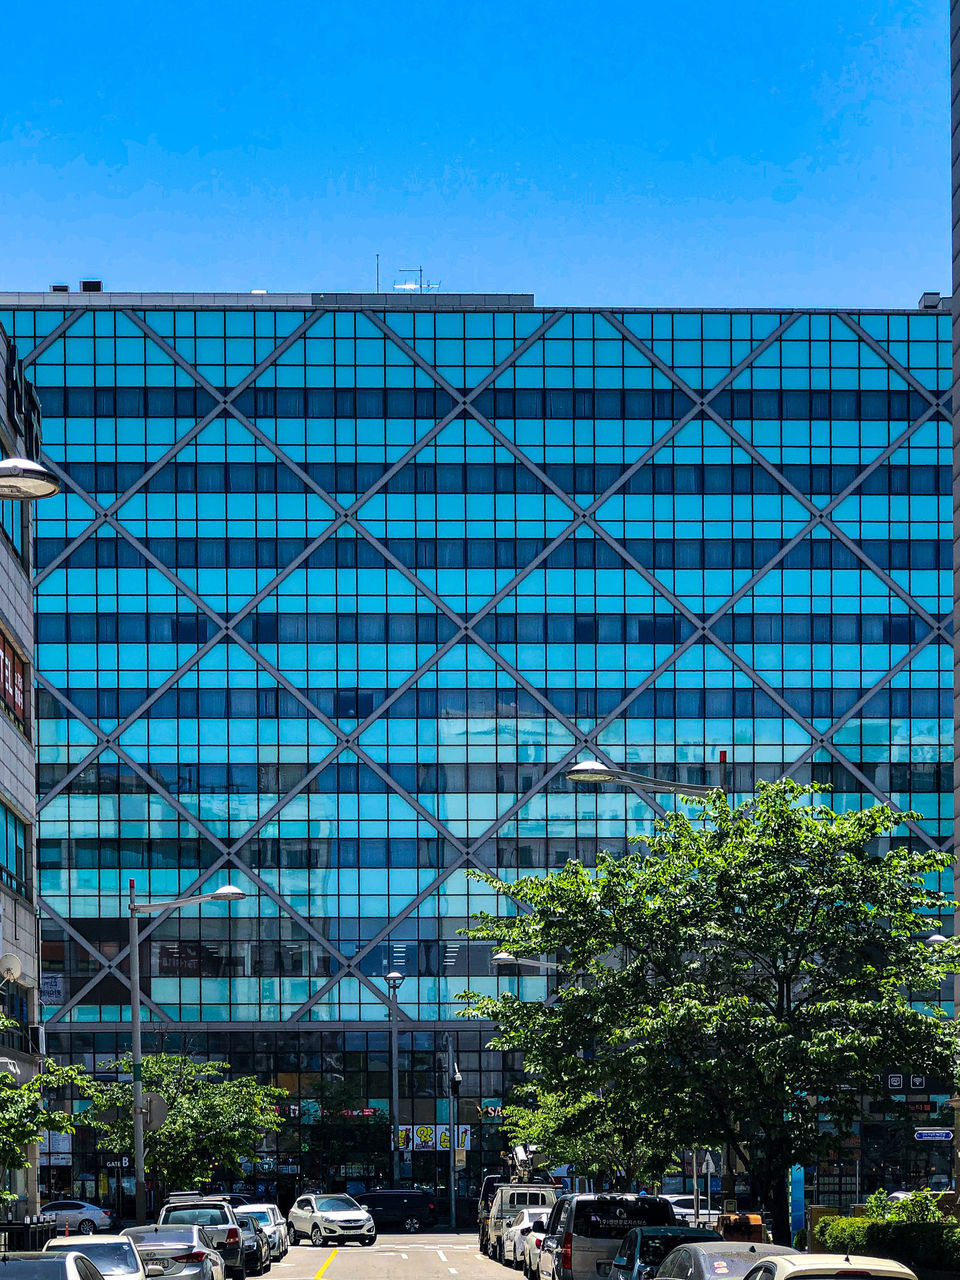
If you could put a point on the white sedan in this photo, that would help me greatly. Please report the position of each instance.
(515, 1234)
(111, 1255)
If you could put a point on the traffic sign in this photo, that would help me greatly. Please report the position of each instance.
(708, 1167)
(933, 1135)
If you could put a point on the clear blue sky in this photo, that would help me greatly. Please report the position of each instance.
(756, 152)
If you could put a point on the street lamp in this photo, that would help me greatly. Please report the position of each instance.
(505, 957)
(393, 981)
(592, 771)
(226, 893)
(23, 480)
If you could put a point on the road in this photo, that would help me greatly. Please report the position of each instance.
(426, 1256)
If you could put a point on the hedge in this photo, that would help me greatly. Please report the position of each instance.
(933, 1246)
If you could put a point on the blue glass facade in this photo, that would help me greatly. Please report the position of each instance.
(335, 591)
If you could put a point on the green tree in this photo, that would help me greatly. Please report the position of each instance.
(334, 1134)
(29, 1110)
(213, 1122)
(746, 974)
(606, 1136)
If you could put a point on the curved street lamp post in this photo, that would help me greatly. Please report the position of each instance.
(226, 893)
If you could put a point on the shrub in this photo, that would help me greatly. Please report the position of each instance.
(931, 1245)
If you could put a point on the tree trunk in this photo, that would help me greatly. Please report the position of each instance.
(779, 1203)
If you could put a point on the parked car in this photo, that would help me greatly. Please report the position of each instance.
(323, 1219)
(111, 1255)
(515, 1235)
(532, 1244)
(508, 1200)
(188, 1252)
(274, 1224)
(48, 1266)
(828, 1266)
(409, 1210)
(684, 1209)
(79, 1215)
(644, 1248)
(256, 1246)
(218, 1219)
(585, 1230)
(725, 1258)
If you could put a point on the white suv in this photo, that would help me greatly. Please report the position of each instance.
(327, 1219)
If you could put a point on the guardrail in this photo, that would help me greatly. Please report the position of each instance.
(28, 1236)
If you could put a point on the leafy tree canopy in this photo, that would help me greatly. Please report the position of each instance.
(745, 974)
(29, 1110)
(213, 1122)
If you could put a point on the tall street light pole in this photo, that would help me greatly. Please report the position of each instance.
(226, 893)
(453, 1081)
(393, 981)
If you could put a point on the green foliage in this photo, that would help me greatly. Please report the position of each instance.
(736, 976)
(606, 1136)
(26, 1113)
(919, 1206)
(213, 1122)
(800, 1240)
(931, 1245)
(877, 1206)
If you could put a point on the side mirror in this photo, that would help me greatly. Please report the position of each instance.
(365, 1206)
(620, 1261)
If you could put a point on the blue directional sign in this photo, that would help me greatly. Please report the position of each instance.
(933, 1135)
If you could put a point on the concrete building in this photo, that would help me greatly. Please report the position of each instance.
(19, 437)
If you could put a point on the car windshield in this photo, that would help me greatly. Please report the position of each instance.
(147, 1236)
(110, 1258)
(610, 1219)
(331, 1204)
(653, 1249)
(201, 1215)
(727, 1265)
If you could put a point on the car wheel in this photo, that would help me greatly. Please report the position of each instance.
(87, 1227)
(501, 1253)
(412, 1223)
(292, 1233)
(316, 1236)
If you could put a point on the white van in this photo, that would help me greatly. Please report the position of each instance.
(508, 1202)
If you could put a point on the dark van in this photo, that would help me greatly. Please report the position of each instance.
(408, 1210)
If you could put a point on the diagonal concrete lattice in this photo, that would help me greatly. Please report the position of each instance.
(465, 628)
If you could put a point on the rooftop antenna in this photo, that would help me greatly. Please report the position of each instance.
(378, 273)
(419, 285)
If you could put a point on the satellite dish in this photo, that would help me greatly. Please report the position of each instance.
(10, 967)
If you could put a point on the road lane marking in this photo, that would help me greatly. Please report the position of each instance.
(404, 1255)
(479, 1257)
(319, 1275)
(452, 1270)
(441, 1255)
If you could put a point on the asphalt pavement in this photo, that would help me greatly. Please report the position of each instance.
(433, 1256)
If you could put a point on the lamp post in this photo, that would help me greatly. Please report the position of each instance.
(393, 981)
(592, 771)
(226, 893)
(453, 1082)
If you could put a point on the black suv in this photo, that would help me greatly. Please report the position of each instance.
(409, 1210)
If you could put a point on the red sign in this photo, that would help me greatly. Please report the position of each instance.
(13, 676)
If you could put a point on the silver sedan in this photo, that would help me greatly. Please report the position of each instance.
(181, 1252)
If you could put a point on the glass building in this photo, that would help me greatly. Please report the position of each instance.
(339, 585)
